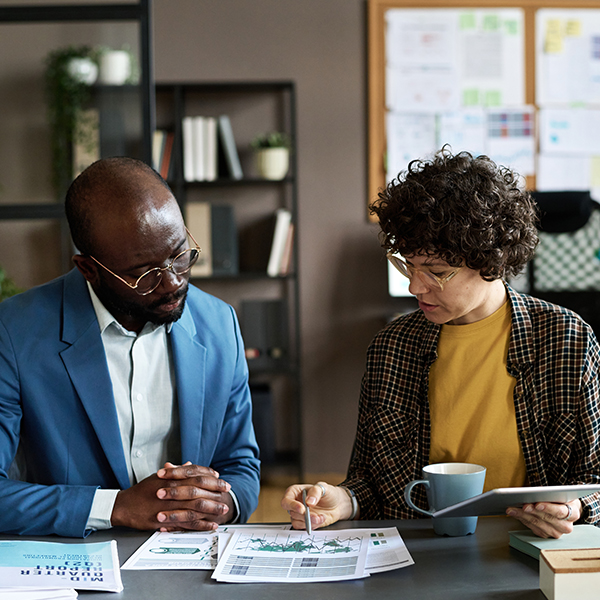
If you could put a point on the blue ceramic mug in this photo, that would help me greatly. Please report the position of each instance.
(447, 484)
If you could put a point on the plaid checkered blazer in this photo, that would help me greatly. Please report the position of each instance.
(554, 357)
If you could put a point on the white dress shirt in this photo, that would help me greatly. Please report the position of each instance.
(143, 382)
(144, 388)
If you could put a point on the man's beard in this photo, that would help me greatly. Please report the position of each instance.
(146, 314)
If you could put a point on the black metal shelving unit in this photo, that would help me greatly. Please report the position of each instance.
(175, 100)
(140, 12)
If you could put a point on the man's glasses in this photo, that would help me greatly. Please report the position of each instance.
(150, 280)
(433, 281)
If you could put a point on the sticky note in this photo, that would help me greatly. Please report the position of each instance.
(467, 20)
(493, 98)
(573, 28)
(553, 40)
(471, 97)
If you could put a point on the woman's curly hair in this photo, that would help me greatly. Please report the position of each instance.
(462, 209)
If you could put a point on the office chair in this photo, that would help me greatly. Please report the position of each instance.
(566, 267)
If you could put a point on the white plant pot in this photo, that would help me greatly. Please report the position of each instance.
(273, 163)
(84, 70)
(115, 67)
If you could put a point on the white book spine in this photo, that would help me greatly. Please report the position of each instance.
(282, 224)
(198, 152)
(158, 144)
(210, 148)
(187, 130)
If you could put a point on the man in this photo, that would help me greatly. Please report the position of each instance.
(480, 373)
(118, 368)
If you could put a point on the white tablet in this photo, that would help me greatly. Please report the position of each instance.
(495, 502)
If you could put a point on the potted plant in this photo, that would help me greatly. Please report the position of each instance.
(272, 154)
(8, 287)
(69, 73)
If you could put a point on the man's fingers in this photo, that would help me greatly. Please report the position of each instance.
(185, 471)
(188, 492)
(208, 484)
(195, 518)
(183, 519)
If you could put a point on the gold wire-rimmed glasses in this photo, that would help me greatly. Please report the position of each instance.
(426, 275)
(145, 284)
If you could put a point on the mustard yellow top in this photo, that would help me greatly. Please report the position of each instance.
(471, 400)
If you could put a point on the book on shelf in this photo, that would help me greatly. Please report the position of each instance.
(230, 153)
(65, 565)
(158, 147)
(224, 241)
(213, 226)
(283, 220)
(198, 147)
(198, 220)
(187, 131)
(286, 258)
(210, 148)
(266, 244)
(167, 156)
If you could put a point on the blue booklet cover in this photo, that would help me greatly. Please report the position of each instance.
(85, 566)
(582, 536)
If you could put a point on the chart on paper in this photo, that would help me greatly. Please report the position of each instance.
(294, 555)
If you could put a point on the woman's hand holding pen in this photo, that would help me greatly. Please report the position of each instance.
(327, 503)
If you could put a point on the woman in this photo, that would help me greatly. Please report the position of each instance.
(480, 373)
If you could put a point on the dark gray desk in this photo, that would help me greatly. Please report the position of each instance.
(468, 568)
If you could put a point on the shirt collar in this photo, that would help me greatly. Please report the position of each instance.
(105, 317)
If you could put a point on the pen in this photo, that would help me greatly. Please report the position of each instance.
(306, 514)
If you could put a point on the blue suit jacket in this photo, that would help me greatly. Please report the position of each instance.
(56, 398)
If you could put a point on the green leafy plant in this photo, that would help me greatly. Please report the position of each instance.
(66, 97)
(275, 139)
(8, 287)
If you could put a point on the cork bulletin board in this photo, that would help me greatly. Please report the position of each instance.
(492, 77)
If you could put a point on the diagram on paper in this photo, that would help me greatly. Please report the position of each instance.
(311, 545)
(263, 555)
(175, 550)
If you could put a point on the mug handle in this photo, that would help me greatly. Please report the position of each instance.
(407, 492)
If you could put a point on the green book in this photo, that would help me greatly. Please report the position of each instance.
(582, 536)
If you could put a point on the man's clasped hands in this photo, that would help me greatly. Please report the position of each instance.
(176, 497)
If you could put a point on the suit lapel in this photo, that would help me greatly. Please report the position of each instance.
(85, 362)
(189, 357)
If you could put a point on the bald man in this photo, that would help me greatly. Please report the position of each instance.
(123, 389)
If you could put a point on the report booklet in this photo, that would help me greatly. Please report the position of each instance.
(81, 566)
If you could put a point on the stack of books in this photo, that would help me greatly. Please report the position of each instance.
(201, 139)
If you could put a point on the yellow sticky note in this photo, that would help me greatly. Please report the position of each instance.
(573, 28)
(553, 40)
(595, 171)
